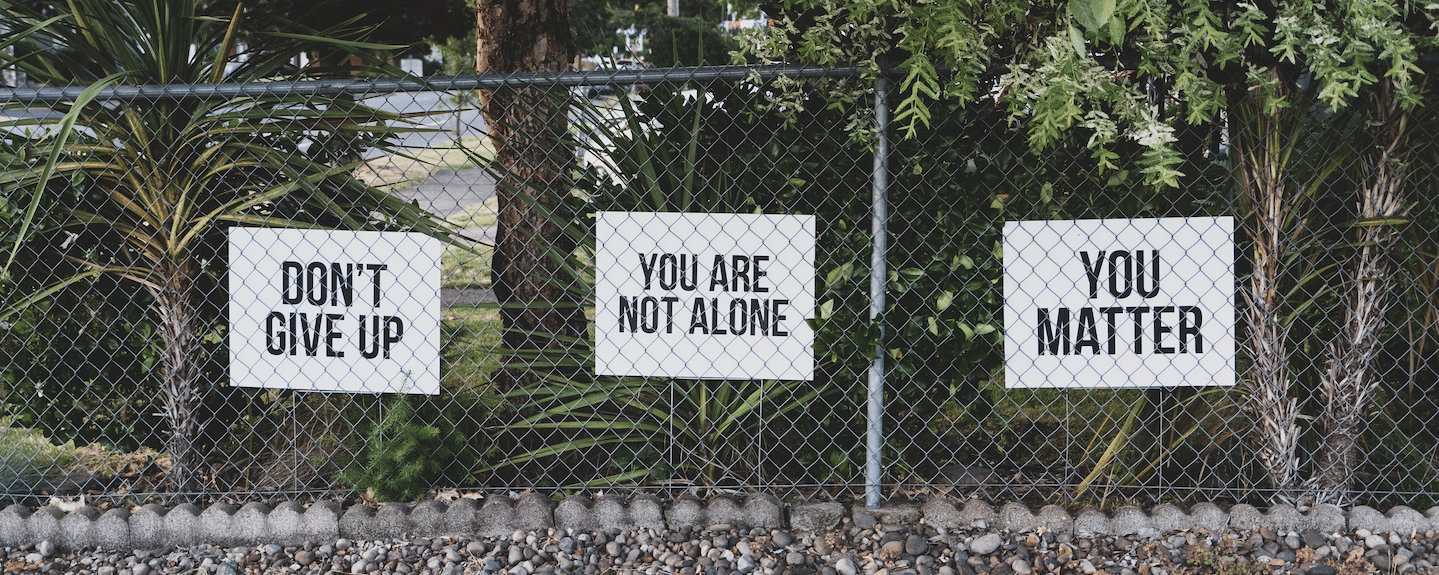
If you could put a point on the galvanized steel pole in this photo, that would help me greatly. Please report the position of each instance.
(878, 275)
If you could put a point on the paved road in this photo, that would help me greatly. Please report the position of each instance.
(442, 118)
(410, 102)
(448, 192)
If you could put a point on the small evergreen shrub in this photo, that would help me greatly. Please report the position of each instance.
(419, 443)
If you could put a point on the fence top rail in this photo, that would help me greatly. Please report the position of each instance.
(373, 86)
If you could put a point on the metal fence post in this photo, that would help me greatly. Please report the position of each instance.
(878, 274)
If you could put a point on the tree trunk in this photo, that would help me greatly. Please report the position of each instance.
(1348, 383)
(180, 372)
(528, 127)
(1258, 139)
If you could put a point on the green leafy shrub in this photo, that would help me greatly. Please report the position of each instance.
(79, 368)
(680, 41)
(417, 443)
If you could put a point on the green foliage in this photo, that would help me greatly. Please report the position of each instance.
(1093, 15)
(96, 381)
(595, 22)
(26, 458)
(1113, 70)
(681, 41)
(1138, 87)
(404, 24)
(142, 191)
(458, 53)
(97, 386)
(695, 35)
(731, 152)
(414, 447)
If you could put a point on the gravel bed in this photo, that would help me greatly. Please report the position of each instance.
(722, 550)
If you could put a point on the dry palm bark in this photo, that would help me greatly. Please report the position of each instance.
(1260, 142)
(1349, 379)
(528, 128)
(180, 371)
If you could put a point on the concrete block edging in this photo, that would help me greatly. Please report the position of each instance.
(291, 523)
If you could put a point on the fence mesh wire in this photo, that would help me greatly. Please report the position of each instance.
(119, 298)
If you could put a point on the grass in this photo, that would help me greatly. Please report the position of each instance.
(472, 334)
(409, 169)
(26, 457)
(463, 268)
(483, 214)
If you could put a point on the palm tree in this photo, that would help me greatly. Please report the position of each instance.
(528, 129)
(1350, 381)
(154, 184)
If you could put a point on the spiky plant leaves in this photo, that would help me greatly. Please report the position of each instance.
(1276, 213)
(158, 182)
(627, 429)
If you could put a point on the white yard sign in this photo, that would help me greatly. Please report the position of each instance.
(704, 296)
(1119, 303)
(317, 310)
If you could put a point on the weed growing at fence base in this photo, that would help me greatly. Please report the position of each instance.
(415, 442)
(419, 442)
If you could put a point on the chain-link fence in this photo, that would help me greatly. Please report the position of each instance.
(178, 322)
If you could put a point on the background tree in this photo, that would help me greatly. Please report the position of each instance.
(681, 40)
(404, 25)
(696, 35)
(595, 29)
(528, 128)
